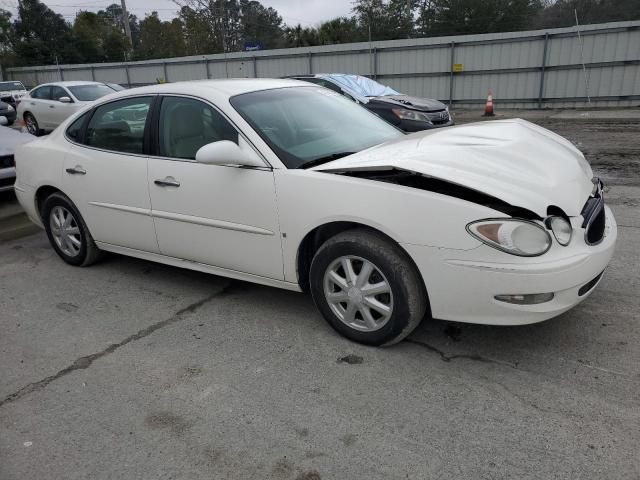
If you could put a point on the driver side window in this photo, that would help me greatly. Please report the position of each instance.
(187, 124)
(57, 93)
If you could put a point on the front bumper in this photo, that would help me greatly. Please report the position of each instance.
(462, 284)
(414, 126)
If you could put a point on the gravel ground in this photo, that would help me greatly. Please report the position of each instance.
(130, 369)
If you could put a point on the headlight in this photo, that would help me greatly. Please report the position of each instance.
(10, 108)
(405, 114)
(517, 237)
(561, 229)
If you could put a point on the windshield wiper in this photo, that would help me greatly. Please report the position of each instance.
(327, 158)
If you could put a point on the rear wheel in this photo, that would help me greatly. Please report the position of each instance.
(67, 232)
(367, 288)
(32, 124)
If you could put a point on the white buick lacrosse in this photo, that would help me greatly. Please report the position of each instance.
(291, 185)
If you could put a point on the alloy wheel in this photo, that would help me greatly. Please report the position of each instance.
(32, 125)
(358, 293)
(65, 231)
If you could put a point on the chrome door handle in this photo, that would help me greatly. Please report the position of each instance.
(77, 170)
(167, 182)
(52, 106)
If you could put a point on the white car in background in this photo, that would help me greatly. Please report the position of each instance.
(50, 104)
(11, 92)
(292, 185)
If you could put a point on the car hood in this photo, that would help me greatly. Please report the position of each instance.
(415, 103)
(11, 138)
(515, 161)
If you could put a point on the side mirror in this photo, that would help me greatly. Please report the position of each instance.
(64, 99)
(225, 152)
(4, 121)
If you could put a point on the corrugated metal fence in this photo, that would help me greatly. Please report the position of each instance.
(541, 68)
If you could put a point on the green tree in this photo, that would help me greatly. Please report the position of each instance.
(340, 30)
(6, 38)
(160, 39)
(42, 36)
(198, 37)
(261, 24)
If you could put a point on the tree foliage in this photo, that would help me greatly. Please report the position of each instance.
(38, 36)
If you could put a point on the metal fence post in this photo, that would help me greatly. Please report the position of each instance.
(255, 67)
(542, 67)
(164, 72)
(126, 70)
(93, 74)
(310, 64)
(206, 68)
(375, 63)
(37, 80)
(453, 48)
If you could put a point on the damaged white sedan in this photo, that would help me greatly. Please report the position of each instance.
(291, 185)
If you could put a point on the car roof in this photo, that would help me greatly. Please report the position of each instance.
(70, 83)
(228, 87)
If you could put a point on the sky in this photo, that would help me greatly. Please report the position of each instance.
(305, 12)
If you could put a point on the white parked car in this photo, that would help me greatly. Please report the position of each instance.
(50, 104)
(11, 92)
(283, 183)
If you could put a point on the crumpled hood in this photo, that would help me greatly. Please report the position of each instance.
(415, 103)
(513, 160)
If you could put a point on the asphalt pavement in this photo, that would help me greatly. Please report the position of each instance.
(135, 370)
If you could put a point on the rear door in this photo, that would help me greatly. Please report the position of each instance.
(105, 173)
(38, 105)
(59, 111)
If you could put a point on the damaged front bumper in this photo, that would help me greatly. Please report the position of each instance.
(463, 284)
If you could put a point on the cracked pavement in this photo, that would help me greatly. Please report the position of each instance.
(130, 369)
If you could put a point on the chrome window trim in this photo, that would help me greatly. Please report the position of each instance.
(267, 167)
(92, 110)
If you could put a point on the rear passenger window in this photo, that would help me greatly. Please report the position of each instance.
(186, 125)
(119, 126)
(74, 132)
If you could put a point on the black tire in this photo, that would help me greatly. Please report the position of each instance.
(10, 122)
(88, 253)
(32, 124)
(410, 301)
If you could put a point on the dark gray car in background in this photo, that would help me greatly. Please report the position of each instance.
(410, 114)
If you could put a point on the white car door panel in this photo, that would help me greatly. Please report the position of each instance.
(221, 216)
(59, 111)
(217, 215)
(110, 188)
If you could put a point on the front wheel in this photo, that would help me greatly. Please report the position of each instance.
(32, 124)
(67, 232)
(367, 288)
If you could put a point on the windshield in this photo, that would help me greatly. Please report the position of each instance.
(363, 86)
(115, 86)
(8, 86)
(311, 125)
(88, 93)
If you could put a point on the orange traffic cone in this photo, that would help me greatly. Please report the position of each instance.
(488, 108)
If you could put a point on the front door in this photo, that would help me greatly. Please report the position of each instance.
(105, 174)
(216, 215)
(59, 111)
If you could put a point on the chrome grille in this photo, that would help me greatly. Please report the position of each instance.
(594, 216)
(439, 117)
